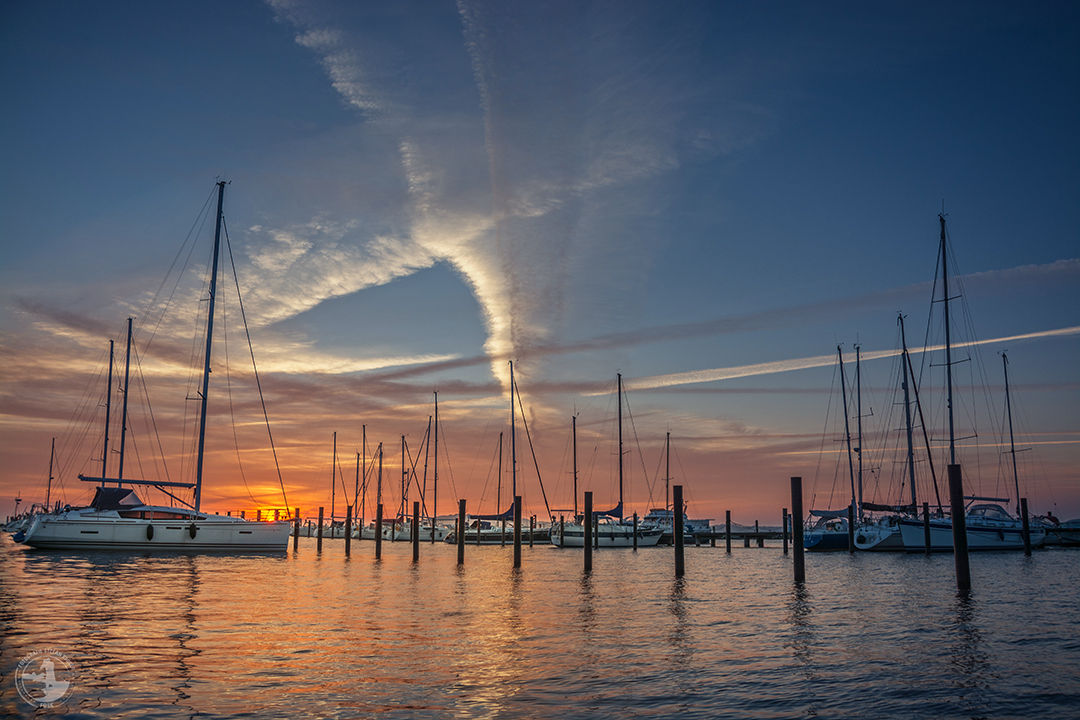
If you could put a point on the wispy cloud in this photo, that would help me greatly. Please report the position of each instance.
(779, 366)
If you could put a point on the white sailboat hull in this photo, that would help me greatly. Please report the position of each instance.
(980, 537)
(89, 529)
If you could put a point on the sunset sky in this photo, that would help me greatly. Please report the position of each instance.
(707, 197)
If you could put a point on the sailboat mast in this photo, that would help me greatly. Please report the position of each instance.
(48, 488)
(847, 426)
(498, 489)
(435, 489)
(404, 481)
(948, 346)
(573, 425)
(333, 481)
(513, 435)
(858, 408)
(907, 415)
(1012, 443)
(619, 378)
(667, 474)
(108, 412)
(124, 412)
(209, 345)
(922, 419)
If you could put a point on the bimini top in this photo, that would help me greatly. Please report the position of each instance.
(115, 499)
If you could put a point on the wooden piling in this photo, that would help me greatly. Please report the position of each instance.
(461, 532)
(318, 533)
(926, 527)
(416, 531)
(348, 529)
(677, 506)
(586, 525)
(517, 531)
(1026, 528)
(296, 530)
(258, 516)
(783, 524)
(562, 531)
(635, 531)
(378, 531)
(727, 530)
(799, 562)
(532, 527)
(959, 530)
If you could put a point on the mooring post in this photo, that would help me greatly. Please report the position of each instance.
(586, 525)
(635, 531)
(318, 546)
(797, 529)
(959, 530)
(461, 532)
(678, 505)
(378, 531)
(532, 526)
(596, 532)
(926, 526)
(258, 516)
(416, 531)
(727, 530)
(478, 529)
(517, 531)
(348, 529)
(1025, 527)
(851, 529)
(296, 530)
(562, 531)
(783, 524)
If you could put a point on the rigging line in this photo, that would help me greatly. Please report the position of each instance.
(258, 383)
(446, 454)
(232, 410)
(532, 450)
(199, 219)
(149, 409)
(637, 441)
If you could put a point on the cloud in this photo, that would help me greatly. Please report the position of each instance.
(768, 368)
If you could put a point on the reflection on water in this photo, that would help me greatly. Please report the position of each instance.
(307, 635)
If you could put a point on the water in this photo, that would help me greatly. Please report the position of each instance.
(302, 635)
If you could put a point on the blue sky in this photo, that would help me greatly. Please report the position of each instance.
(588, 188)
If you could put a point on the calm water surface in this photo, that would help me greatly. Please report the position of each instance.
(303, 634)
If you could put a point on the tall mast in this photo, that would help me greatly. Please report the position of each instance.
(108, 412)
(209, 345)
(48, 488)
(435, 490)
(404, 481)
(619, 377)
(124, 412)
(513, 434)
(573, 424)
(378, 496)
(498, 489)
(363, 486)
(922, 420)
(847, 427)
(858, 408)
(667, 475)
(333, 481)
(948, 346)
(907, 414)
(1012, 443)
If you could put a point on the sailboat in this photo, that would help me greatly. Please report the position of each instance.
(117, 519)
(989, 524)
(608, 529)
(830, 530)
(664, 518)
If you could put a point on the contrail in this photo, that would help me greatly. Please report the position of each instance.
(778, 366)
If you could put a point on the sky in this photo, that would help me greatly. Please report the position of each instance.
(706, 198)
